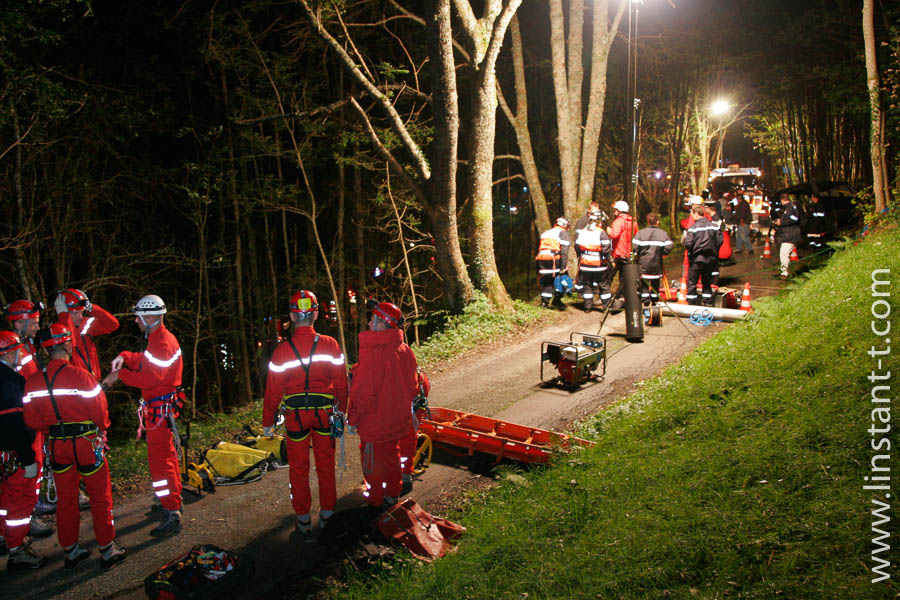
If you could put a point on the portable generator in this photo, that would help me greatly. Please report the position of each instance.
(577, 361)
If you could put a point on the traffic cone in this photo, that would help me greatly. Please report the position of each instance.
(745, 298)
(767, 251)
(682, 291)
(794, 254)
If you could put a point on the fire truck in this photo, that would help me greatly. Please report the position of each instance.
(727, 182)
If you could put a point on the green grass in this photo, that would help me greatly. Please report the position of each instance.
(738, 472)
(476, 325)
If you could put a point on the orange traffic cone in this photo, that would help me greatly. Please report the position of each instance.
(745, 298)
(767, 251)
(682, 291)
(794, 254)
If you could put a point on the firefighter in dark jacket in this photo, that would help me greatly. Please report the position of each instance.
(551, 260)
(817, 224)
(594, 250)
(701, 241)
(17, 459)
(714, 214)
(651, 244)
(789, 232)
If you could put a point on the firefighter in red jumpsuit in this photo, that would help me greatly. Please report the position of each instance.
(157, 373)
(384, 386)
(18, 469)
(307, 375)
(86, 321)
(409, 443)
(67, 404)
(24, 317)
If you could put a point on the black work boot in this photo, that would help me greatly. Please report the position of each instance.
(75, 555)
(112, 555)
(407, 484)
(24, 558)
(41, 527)
(169, 526)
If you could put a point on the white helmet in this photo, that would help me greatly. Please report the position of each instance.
(621, 206)
(150, 305)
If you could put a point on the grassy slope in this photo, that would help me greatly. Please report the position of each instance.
(737, 472)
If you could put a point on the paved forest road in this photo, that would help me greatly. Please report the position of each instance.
(500, 379)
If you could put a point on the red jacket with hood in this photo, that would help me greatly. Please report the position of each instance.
(384, 386)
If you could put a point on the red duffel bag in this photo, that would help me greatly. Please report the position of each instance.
(423, 534)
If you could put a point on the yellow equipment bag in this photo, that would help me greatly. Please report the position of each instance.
(234, 463)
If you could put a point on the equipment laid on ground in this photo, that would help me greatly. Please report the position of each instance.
(426, 536)
(577, 360)
(474, 433)
(725, 314)
(193, 474)
(206, 572)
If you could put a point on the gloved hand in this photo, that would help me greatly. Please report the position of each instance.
(117, 363)
(351, 429)
(269, 431)
(88, 307)
(60, 304)
(31, 471)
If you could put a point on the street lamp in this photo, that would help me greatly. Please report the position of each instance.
(719, 109)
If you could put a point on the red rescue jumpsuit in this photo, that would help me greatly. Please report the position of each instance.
(84, 353)
(384, 386)
(82, 409)
(309, 385)
(157, 373)
(28, 366)
(408, 444)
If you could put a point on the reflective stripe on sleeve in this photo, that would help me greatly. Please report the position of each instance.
(61, 392)
(162, 363)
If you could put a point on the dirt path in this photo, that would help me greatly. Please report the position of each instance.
(500, 379)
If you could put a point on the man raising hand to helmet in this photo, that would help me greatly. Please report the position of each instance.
(157, 373)
(85, 320)
(307, 375)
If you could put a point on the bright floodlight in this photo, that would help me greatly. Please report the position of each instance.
(720, 107)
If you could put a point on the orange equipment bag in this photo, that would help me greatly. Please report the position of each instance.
(423, 534)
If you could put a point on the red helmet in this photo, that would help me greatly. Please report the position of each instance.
(303, 302)
(390, 314)
(562, 222)
(76, 300)
(9, 342)
(55, 335)
(23, 309)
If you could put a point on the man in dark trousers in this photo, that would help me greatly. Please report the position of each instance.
(789, 233)
(17, 496)
(701, 241)
(551, 260)
(651, 244)
(743, 216)
(817, 224)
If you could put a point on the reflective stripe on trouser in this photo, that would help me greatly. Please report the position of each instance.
(381, 469)
(68, 518)
(163, 464)
(784, 253)
(17, 501)
(298, 459)
(701, 271)
(650, 289)
(599, 281)
(408, 446)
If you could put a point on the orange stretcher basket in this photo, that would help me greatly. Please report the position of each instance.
(474, 433)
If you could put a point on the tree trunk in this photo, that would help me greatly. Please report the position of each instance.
(564, 123)
(441, 186)
(876, 130)
(21, 272)
(519, 122)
